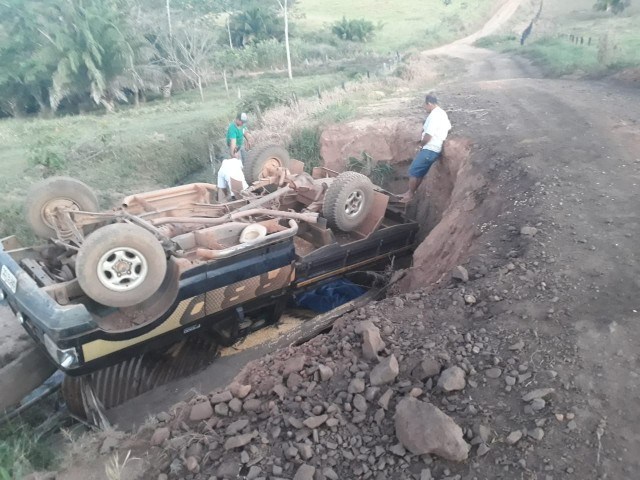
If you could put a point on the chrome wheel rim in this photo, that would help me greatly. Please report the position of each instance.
(355, 202)
(122, 268)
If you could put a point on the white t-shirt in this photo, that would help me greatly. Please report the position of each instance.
(231, 168)
(437, 125)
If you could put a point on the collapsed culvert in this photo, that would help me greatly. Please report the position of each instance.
(172, 265)
(444, 209)
(454, 206)
(451, 205)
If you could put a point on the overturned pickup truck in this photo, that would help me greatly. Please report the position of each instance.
(111, 285)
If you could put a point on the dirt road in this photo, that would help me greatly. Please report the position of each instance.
(578, 145)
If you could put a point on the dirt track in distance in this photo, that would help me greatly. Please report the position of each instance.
(576, 145)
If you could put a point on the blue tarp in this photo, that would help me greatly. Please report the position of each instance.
(329, 296)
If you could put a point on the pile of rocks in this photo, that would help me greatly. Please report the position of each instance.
(386, 394)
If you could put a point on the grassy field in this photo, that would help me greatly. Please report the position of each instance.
(606, 42)
(157, 144)
(407, 24)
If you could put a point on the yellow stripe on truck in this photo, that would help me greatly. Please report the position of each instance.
(100, 348)
(219, 298)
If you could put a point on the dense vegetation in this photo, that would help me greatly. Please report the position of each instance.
(71, 55)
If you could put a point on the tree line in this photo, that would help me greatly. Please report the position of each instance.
(77, 55)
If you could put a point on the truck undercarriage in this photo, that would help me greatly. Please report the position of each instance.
(130, 297)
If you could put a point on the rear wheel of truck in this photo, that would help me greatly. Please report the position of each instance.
(348, 201)
(264, 162)
(45, 197)
(121, 265)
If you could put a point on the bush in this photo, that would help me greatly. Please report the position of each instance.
(23, 449)
(355, 30)
(335, 113)
(305, 146)
(12, 223)
(47, 152)
(265, 95)
(379, 172)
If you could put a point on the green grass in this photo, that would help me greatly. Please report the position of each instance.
(614, 45)
(305, 146)
(157, 144)
(337, 112)
(557, 56)
(23, 450)
(406, 24)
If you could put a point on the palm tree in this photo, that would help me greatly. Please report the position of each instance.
(98, 54)
(253, 26)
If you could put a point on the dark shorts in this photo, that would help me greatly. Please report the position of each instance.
(422, 163)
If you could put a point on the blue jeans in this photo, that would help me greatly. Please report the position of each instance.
(422, 163)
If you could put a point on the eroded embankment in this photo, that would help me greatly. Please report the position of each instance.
(454, 204)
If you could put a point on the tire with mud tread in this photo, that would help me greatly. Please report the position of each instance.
(261, 159)
(348, 201)
(56, 192)
(120, 265)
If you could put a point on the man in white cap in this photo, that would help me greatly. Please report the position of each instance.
(434, 133)
(236, 136)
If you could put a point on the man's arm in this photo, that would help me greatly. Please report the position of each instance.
(426, 138)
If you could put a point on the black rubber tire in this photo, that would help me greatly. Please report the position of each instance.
(132, 241)
(258, 157)
(342, 191)
(62, 190)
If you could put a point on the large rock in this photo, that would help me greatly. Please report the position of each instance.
(356, 385)
(293, 365)
(237, 426)
(385, 372)
(305, 472)
(371, 341)
(391, 140)
(539, 393)
(221, 397)
(159, 436)
(424, 429)
(452, 379)
(240, 391)
(238, 441)
(428, 367)
(201, 411)
(460, 273)
(315, 422)
(325, 372)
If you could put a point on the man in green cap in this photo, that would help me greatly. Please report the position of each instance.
(236, 136)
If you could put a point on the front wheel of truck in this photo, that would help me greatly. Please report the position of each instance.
(121, 265)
